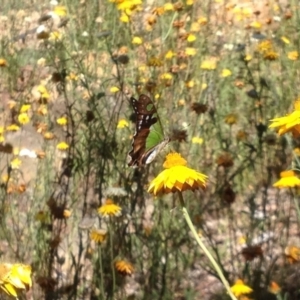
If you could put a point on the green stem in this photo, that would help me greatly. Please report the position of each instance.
(112, 254)
(203, 247)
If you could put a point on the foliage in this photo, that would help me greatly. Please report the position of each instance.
(218, 72)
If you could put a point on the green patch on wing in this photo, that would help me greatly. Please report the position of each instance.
(155, 136)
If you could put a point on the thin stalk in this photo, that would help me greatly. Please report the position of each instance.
(203, 247)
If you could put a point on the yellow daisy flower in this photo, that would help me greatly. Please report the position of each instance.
(292, 254)
(3, 62)
(293, 55)
(48, 135)
(60, 10)
(231, 119)
(168, 6)
(177, 177)
(12, 127)
(62, 146)
(124, 18)
(122, 123)
(287, 179)
(239, 288)
(170, 54)
(55, 36)
(98, 235)
(189, 51)
(41, 216)
(25, 108)
(197, 140)
(14, 277)
(137, 40)
(114, 89)
(289, 123)
(15, 163)
(209, 64)
(191, 38)
(23, 118)
(62, 121)
(43, 92)
(124, 267)
(285, 40)
(109, 209)
(225, 73)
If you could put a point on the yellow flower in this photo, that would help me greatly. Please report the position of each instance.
(124, 18)
(43, 91)
(48, 135)
(170, 54)
(15, 163)
(176, 177)
(55, 36)
(23, 118)
(239, 288)
(271, 55)
(197, 140)
(190, 51)
(191, 38)
(62, 121)
(128, 5)
(209, 64)
(122, 123)
(98, 235)
(72, 76)
(12, 127)
(60, 10)
(124, 267)
(14, 277)
(265, 45)
(168, 6)
(166, 76)
(189, 2)
(114, 89)
(202, 20)
(247, 57)
(195, 27)
(3, 63)
(154, 62)
(274, 288)
(287, 179)
(109, 209)
(137, 40)
(293, 55)
(62, 146)
(231, 119)
(289, 123)
(285, 40)
(226, 73)
(190, 84)
(256, 25)
(204, 86)
(41, 216)
(25, 108)
(297, 151)
(292, 254)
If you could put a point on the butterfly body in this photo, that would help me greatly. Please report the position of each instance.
(148, 139)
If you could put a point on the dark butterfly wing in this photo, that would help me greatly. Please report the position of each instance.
(145, 111)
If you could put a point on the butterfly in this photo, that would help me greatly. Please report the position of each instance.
(148, 139)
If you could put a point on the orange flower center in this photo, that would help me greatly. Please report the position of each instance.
(174, 159)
